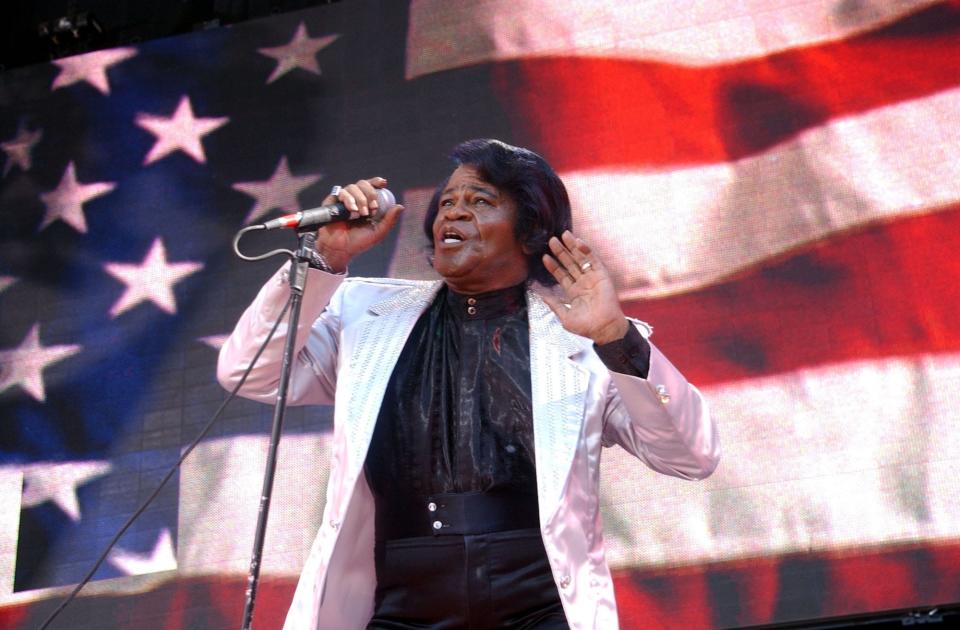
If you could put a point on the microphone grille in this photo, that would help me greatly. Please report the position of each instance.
(385, 199)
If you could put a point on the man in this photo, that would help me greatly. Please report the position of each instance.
(470, 412)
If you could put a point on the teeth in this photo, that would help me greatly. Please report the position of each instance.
(450, 239)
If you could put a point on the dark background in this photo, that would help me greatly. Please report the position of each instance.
(33, 31)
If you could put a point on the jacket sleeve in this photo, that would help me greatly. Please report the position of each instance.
(663, 420)
(314, 368)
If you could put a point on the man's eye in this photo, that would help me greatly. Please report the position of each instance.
(480, 201)
(446, 203)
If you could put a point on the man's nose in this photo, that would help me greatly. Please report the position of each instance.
(455, 211)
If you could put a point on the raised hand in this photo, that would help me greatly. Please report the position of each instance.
(339, 242)
(590, 307)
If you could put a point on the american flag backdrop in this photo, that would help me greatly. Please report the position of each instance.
(775, 183)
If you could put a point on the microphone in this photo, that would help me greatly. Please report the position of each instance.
(326, 214)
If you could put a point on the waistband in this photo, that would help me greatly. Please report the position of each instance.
(459, 514)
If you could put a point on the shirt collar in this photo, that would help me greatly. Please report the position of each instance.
(488, 305)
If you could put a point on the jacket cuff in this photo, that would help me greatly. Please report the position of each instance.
(630, 355)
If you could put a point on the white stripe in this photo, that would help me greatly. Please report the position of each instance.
(822, 459)
(444, 35)
(11, 489)
(220, 487)
(679, 230)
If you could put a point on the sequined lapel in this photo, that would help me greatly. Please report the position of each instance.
(417, 297)
(378, 343)
(559, 387)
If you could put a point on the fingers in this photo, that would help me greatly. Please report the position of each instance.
(571, 259)
(559, 271)
(356, 200)
(360, 198)
(565, 257)
(578, 253)
(580, 250)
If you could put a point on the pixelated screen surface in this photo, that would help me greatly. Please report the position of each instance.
(774, 185)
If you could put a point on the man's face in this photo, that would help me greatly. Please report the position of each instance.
(473, 236)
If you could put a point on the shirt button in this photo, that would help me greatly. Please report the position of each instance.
(662, 393)
(437, 524)
(432, 506)
(472, 310)
(471, 301)
(565, 581)
(334, 524)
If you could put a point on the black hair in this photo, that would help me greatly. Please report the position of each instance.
(543, 207)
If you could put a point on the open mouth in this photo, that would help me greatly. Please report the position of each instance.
(450, 237)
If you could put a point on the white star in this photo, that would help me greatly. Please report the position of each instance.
(91, 67)
(24, 364)
(214, 341)
(19, 147)
(301, 52)
(6, 281)
(59, 483)
(153, 280)
(66, 201)
(179, 132)
(280, 191)
(161, 558)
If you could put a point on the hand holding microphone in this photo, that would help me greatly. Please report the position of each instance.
(335, 210)
(339, 238)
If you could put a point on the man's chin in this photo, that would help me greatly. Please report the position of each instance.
(450, 267)
(450, 274)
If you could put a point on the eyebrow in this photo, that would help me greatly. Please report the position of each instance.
(490, 191)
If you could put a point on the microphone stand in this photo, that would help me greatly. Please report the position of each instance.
(298, 280)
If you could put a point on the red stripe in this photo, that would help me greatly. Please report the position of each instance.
(889, 289)
(789, 588)
(594, 112)
(181, 603)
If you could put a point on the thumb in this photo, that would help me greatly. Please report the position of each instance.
(391, 217)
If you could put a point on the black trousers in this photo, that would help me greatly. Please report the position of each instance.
(473, 582)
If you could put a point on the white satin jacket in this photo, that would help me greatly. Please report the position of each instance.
(359, 327)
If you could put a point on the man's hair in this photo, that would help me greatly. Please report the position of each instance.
(543, 207)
